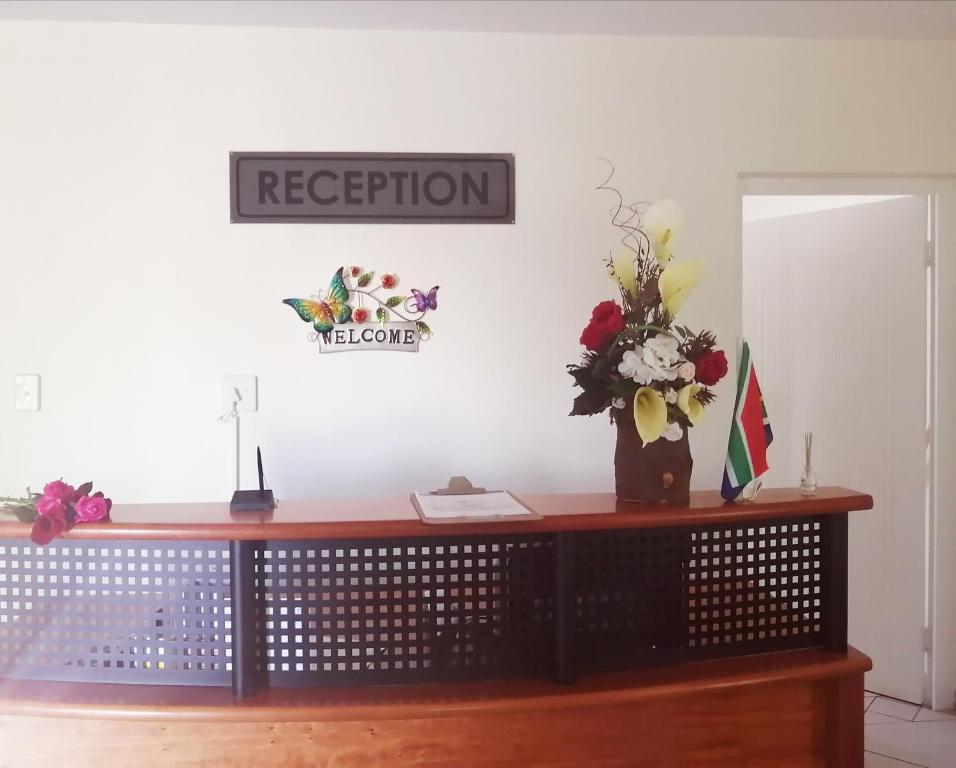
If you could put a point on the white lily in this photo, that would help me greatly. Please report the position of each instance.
(676, 282)
(650, 414)
(661, 223)
(687, 401)
(622, 269)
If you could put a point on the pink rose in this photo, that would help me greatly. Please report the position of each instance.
(48, 527)
(687, 371)
(50, 506)
(89, 509)
(59, 490)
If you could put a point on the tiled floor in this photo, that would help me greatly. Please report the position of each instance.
(901, 735)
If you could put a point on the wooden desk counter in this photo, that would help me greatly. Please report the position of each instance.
(800, 709)
(351, 634)
(392, 517)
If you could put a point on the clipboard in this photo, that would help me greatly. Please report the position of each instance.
(461, 486)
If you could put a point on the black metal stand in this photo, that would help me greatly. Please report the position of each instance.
(435, 608)
(564, 609)
(247, 674)
(834, 534)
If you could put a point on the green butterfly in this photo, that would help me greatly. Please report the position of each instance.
(324, 314)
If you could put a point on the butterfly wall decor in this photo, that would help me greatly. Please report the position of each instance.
(424, 302)
(323, 314)
(338, 316)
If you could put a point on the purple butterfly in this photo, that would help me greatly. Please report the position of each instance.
(423, 302)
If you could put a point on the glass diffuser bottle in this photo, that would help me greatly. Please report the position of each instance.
(808, 480)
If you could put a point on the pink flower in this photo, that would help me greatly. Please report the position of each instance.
(89, 509)
(389, 281)
(50, 506)
(47, 527)
(59, 490)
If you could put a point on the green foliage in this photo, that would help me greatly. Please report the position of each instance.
(697, 345)
(590, 402)
(625, 388)
(394, 301)
(365, 279)
(381, 314)
(24, 514)
(591, 376)
(705, 396)
(423, 329)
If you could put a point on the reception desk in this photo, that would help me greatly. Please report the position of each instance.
(352, 634)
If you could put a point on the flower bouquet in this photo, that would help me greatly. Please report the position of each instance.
(57, 509)
(654, 375)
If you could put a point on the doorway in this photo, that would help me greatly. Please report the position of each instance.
(839, 309)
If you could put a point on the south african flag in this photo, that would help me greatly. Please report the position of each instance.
(750, 432)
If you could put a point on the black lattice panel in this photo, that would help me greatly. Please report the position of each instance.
(656, 596)
(407, 610)
(152, 612)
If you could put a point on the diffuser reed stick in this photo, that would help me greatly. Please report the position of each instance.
(808, 481)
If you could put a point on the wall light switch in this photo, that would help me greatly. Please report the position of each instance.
(28, 392)
(248, 393)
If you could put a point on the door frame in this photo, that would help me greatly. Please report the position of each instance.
(939, 678)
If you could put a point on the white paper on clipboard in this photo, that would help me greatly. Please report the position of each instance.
(476, 505)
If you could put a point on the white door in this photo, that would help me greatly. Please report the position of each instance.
(835, 310)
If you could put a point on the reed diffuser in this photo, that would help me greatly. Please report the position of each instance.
(808, 480)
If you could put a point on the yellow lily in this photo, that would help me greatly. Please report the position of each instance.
(676, 282)
(687, 401)
(650, 414)
(622, 269)
(661, 223)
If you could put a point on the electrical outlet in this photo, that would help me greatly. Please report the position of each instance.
(28, 392)
(245, 389)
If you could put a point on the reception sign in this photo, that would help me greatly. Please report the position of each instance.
(388, 188)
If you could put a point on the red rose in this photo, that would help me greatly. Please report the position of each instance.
(47, 505)
(389, 281)
(355, 271)
(607, 321)
(360, 315)
(711, 367)
(59, 490)
(89, 509)
(47, 527)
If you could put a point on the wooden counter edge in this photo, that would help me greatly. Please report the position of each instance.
(625, 516)
(426, 700)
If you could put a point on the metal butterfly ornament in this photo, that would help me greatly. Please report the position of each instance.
(343, 317)
(324, 314)
(424, 302)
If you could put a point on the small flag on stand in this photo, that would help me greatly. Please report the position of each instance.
(750, 432)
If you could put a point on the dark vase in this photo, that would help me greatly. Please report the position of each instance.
(656, 474)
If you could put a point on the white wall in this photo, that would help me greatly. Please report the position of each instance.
(126, 287)
(762, 207)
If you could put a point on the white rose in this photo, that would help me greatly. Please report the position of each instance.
(670, 395)
(629, 363)
(633, 366)
(665, 347)
(674, 432)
